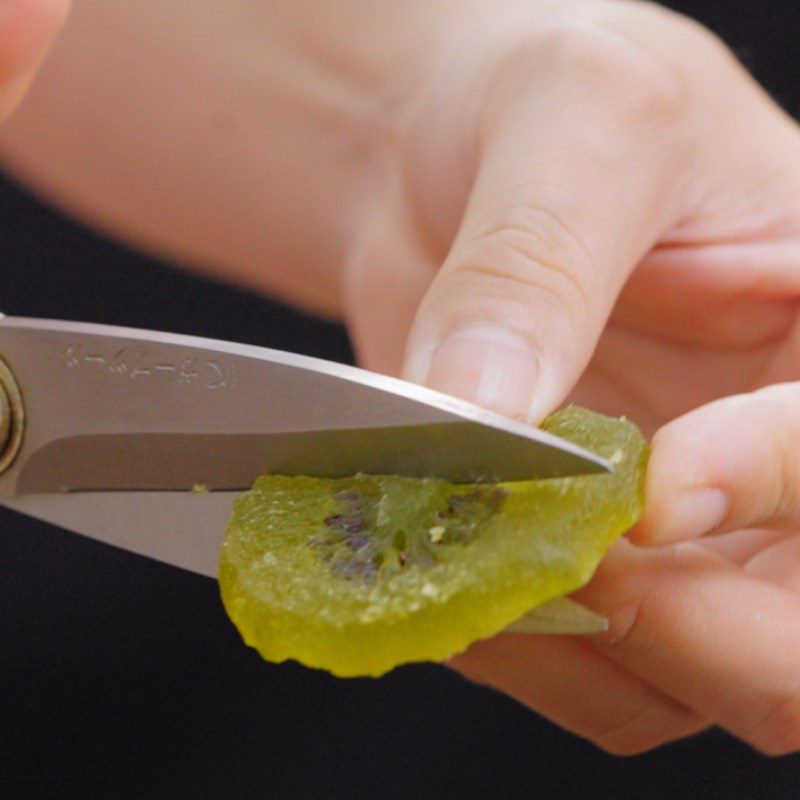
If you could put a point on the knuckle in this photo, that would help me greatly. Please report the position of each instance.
(654, 720)
(652, 728)
(614, 69)
(778, 733)
(773, 493)
(630, 738)
(534, 251)
(631, 627)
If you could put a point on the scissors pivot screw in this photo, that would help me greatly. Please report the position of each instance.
(12, 417)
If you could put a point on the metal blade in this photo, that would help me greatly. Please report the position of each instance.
(121, 409)
(184, 529)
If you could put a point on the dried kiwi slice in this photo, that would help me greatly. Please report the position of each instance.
(358, 575)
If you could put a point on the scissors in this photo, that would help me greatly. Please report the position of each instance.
(142, 439)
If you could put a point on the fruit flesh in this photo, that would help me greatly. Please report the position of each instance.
(358, 575)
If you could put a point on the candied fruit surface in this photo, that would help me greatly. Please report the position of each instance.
(358, 575)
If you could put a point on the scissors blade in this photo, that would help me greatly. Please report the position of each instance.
(120, 423)
(116, 409)
(184, 529)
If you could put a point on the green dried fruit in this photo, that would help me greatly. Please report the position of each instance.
(358, 575)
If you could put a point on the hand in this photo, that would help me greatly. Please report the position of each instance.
(598, 204)
(27, 27)
(704, 632)
(520, 203)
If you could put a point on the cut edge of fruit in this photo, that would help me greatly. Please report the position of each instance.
(373, 651)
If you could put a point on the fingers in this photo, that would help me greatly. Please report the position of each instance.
(599, 139)
(706, 633)
(731, 464)
(565, 680)
(580, 164)
(739, 547)
(27, 28)
(779, 564)
(720, 637)
(388, 271)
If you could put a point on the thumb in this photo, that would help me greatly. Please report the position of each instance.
(573, 187)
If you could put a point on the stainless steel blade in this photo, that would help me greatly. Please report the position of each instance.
(121, 409)
(184, 529)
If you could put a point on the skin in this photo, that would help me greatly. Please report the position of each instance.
(27, 29)
(520, 203)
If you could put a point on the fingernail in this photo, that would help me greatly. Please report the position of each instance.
(492, 367)
(695, 513)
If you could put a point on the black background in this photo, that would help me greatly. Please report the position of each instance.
(122, 678)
